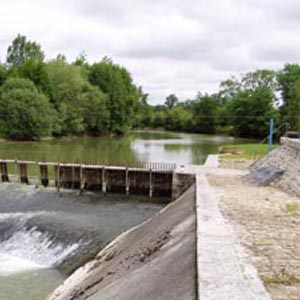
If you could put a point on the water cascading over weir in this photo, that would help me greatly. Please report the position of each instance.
(41, 228)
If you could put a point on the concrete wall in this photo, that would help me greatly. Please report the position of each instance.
(287, 158)
(181, 183)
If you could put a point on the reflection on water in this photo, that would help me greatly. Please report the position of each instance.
(146, 146)
(178, 147)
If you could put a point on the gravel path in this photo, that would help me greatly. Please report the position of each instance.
(267, 229)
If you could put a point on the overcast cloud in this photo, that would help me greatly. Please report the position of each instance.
(170, 46)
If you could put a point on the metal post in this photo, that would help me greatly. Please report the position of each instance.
(271, 134)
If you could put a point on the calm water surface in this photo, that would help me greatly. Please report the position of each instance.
(136, 147)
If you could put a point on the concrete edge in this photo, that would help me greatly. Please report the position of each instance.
(224, 270)
(212, 161)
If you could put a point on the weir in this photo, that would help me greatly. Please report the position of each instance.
(151, 179)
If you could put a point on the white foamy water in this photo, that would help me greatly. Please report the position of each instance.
(12, 264)
(30, 249)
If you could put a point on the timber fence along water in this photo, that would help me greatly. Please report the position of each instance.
(140, 178)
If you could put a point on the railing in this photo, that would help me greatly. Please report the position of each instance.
(137, 164)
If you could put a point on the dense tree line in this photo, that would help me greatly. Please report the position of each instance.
(242, 106)
(43, 98)
(58, 98)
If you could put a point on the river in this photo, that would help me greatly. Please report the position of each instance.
(146, 146)
(44, 234)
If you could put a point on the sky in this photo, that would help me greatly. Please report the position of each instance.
(169, 46)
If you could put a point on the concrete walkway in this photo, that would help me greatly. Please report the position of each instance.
(224, 269)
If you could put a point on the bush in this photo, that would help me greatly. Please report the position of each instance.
(25, 113)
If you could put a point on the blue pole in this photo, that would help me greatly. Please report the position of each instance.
(271, 134)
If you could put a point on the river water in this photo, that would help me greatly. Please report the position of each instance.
(44, 235)
(138, 146)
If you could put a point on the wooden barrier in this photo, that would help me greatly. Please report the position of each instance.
(122, 180)
(3, 171)
(23, 173)
(44, 175)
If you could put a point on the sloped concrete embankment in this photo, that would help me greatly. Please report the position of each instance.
(286, 158)
(156, 260)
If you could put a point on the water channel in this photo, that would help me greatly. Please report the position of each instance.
(44, 235)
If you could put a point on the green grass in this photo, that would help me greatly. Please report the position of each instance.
(281, 278)
(244, 151)
(293, 208)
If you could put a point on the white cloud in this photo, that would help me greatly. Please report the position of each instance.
(169, 46)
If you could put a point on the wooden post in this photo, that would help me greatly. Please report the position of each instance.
(58, 177)
(73, 177)
(127, 182)
(150, 184)
(81, 179)
(44, 175)
(16, 171)
(3, 171)
(37, 175)
(23, 173)
(103, 181)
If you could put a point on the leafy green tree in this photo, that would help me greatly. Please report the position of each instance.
(25, 113)
(23, 50)
(123, 95)
(94, 111)
(252, 111)
(68, 83)
(289, 87)
(171, 101)
(3, 74)
(258, 79)
(143, 111)
(178, 119)
(158, 120)
(37, 72)
(205, 114)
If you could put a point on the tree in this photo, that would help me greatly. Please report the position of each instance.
(171, 101)
(205, 114)
(123, 95)
(25, 113)
(22, 50)
(94, 111)
(37, 72)
(178, 119)
(259, 79)
(68, 83)
(252, 111)
(289, 87)
(3, 74)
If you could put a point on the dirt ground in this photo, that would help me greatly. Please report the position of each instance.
(268, 228)
(240, 164)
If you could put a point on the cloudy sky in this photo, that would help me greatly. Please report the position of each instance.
(169, 46)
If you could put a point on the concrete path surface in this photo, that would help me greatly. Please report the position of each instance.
(224, 269)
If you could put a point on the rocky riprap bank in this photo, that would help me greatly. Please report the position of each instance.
(285, 158)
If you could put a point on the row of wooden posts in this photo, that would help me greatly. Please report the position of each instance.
(96, 178)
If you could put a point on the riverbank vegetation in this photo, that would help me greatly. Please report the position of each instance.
(56, 98)
(244, 151)
(242, 107)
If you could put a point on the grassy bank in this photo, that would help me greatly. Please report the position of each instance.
(244, 151)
